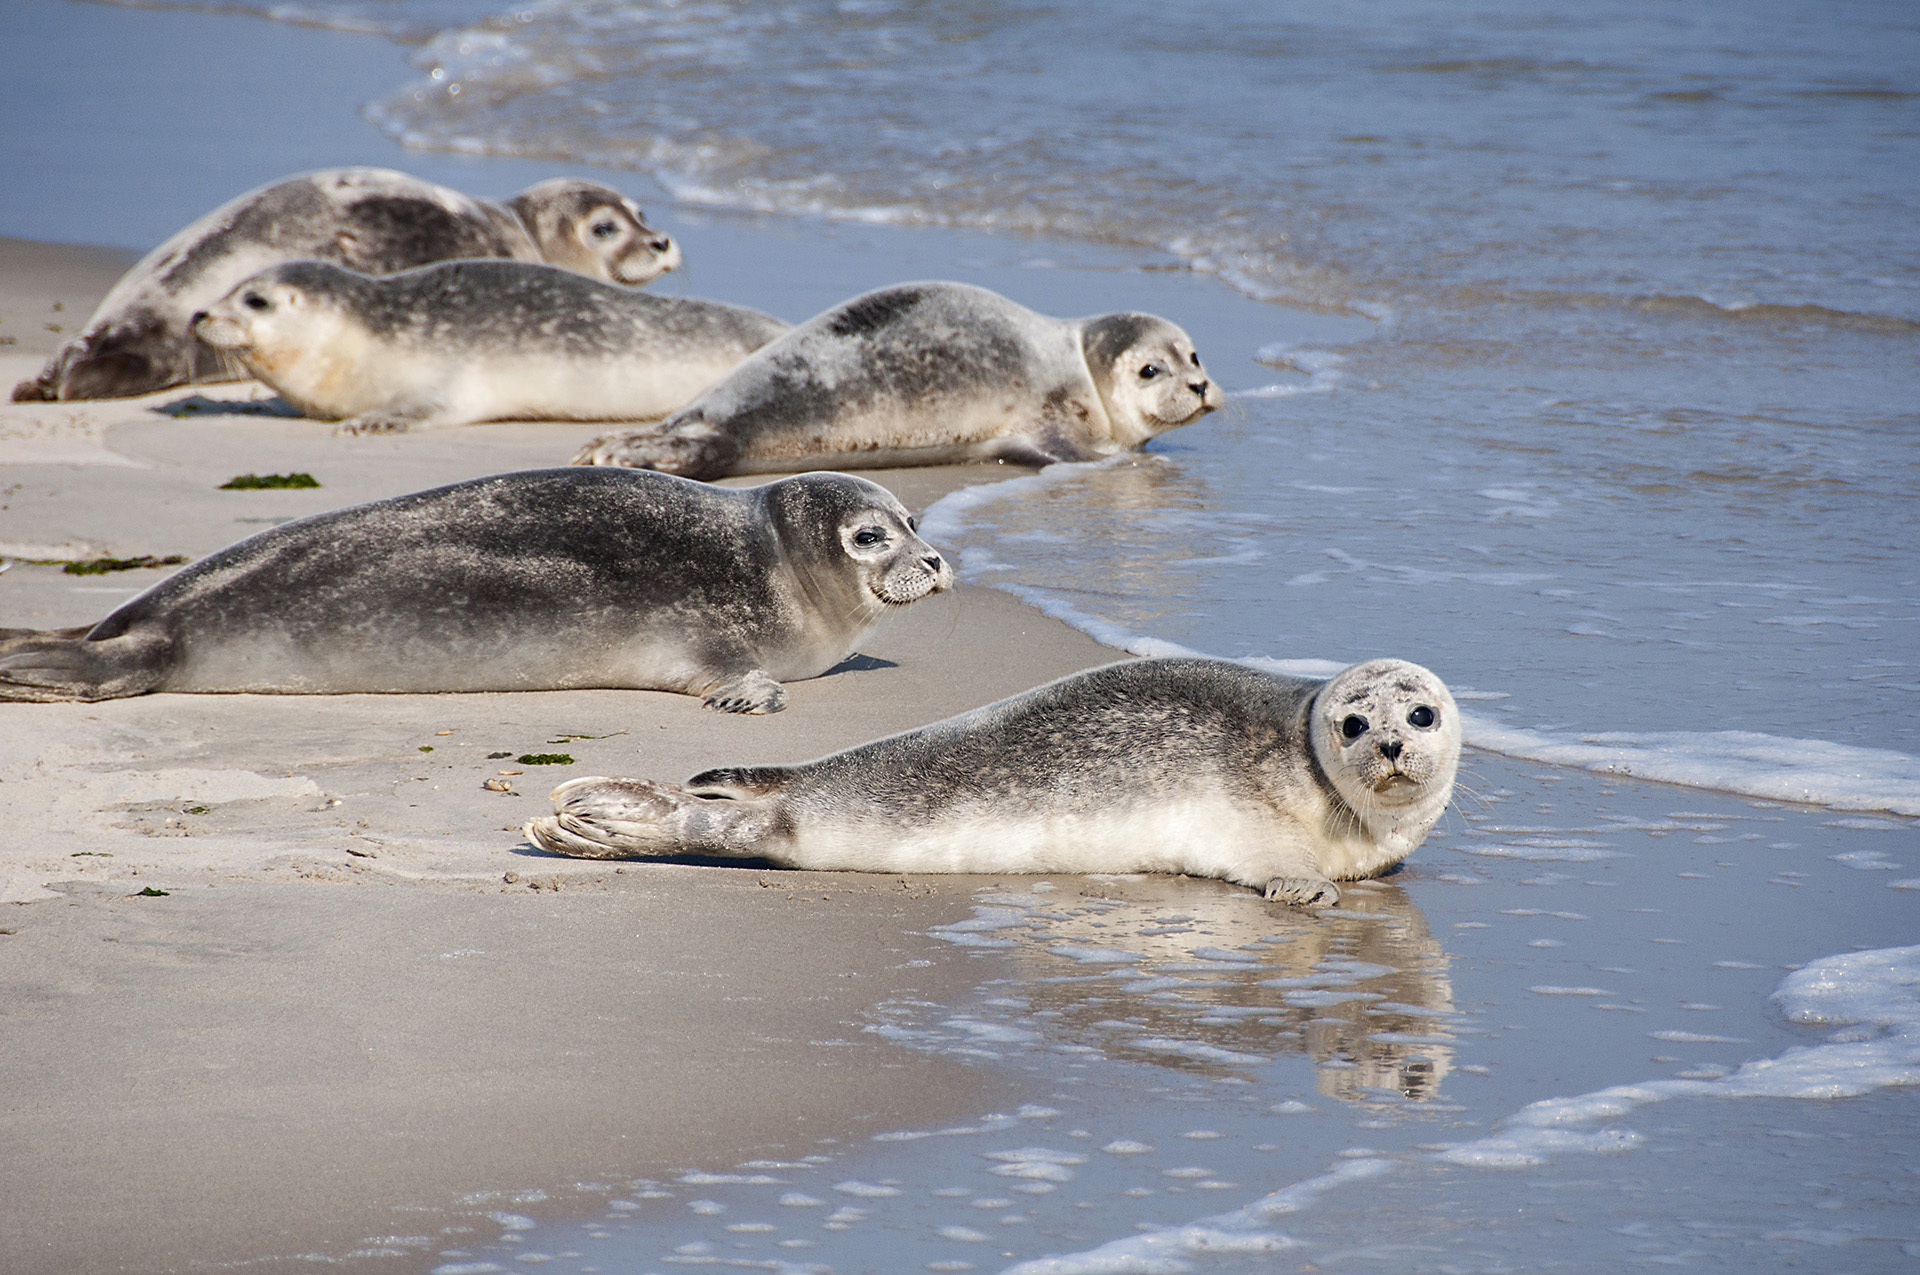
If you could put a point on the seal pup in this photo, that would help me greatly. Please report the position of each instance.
(374, 220)
(1198, 766)
(930, 374)
(542, 579)
(466, 341)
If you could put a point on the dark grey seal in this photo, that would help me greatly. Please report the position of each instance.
(373, 220)
(1203, 767)
(543, 579)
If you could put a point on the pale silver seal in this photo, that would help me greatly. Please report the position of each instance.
(1202, 767)
(538, 580)
(930, 374)
(465, 341)
(374, 220)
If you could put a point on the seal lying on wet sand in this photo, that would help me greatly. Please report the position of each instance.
(545, 579)
(1203, 767)
(466, 341)
(374, 220)
(930, 374)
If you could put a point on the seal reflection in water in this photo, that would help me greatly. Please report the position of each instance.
(930, 374)
(466, 341)
(373, 220)
(540, 580)
(1202, 767)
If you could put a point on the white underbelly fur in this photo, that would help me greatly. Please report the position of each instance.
(603, 389)
(1213, 838)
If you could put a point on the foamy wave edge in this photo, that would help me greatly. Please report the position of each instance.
(1769, 767)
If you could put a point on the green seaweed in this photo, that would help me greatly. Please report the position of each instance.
(545, 759)
(149, 893)
(255, 482)
(100, 566)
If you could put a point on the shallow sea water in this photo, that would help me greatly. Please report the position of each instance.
(1208, 1082)
(1573, 351)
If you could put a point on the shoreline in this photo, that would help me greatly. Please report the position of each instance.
(330, 1026)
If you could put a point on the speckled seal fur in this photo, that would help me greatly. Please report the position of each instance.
(930, 374)
(374, 220)
(1203, 767)
(465, 341)
(538, 580)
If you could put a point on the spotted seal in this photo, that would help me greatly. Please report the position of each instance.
(930, 374)
(536, 580)
(374, 220)
(1203, 767)
(465, 341)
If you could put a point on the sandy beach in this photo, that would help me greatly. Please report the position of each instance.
(328, 1026)
(1586, 382)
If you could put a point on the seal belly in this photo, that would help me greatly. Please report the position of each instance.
(1207, 835)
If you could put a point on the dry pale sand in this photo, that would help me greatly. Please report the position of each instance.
(363, 1001)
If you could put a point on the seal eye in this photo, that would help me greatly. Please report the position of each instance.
(1194, 358)
(868, 537)
(1421, 716)
(603, 230)
(1354, 727)
(1150, 371)
(254, 301)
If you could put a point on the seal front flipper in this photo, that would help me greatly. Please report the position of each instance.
(56, 666)
(737, 781)
(399, 418)
(1303, 892)
(754, 691)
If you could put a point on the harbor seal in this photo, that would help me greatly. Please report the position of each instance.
(374, 220)
(543, 579)
(1204, 767)
(465, 341)
(930, 374)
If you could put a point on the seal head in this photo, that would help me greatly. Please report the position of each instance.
(594, 230)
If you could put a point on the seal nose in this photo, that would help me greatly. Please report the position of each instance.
(1390, 749)
(933, 563)
(1200, 386)
(660, 244)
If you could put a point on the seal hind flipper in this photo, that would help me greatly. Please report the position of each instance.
(601, 818)
(682, 445)
(58, 665)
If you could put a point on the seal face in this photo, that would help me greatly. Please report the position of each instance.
(542, 579)
(930, 374)
(465, 341)
(594, 230)
(1203, 767)
(374, 220)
